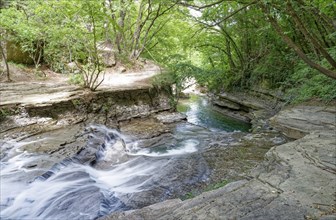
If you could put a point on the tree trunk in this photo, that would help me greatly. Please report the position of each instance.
(235, 47)
(119, 40)
(5, 61)
(138, 27)
(229, 54)
(312, 39)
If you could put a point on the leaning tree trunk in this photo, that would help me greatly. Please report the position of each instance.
(298, 51)
(5, 61)
(312, 39)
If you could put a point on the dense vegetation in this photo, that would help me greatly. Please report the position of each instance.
(224, 45)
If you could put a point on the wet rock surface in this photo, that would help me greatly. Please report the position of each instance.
(296, 180)
(143, 128)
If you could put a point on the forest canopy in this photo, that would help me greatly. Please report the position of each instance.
(243, 44)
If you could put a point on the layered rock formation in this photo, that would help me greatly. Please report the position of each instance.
(255, 106)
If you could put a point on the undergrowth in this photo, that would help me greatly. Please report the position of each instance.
(306, 84)
(210, 187)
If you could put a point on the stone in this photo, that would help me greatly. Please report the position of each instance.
(244, 99)
(16, 54)
(122, 69)
(107, 54)
(170, 117)
(240, 115)
(249, 106)
(301, 120)
(143, 128)
(227, 104)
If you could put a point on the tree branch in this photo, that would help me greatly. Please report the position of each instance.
(233, 13)
(201, 7)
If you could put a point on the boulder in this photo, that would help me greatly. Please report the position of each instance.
(227, 104)
(17, 55)
(245, 100)
(301, 120)
(170, 117)
(107, 54)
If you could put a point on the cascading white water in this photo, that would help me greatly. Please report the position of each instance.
(111, 172)
(73, 190)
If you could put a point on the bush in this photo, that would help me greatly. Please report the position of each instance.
(308, 87)
(76, 79)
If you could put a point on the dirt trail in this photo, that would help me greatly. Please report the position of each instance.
(27, 89)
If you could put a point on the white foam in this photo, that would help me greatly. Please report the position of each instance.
(20, 199)
(120, 179)
(188, 146)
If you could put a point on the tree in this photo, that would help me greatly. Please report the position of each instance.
(138, 22)
(4, 56)
(23, 28)
(64, 31)
(93, 67)
(49, 28)
(288, 9)
(311, 22)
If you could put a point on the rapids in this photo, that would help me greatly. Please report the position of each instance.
(112, 172)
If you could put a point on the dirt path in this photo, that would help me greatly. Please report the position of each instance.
(27, 89)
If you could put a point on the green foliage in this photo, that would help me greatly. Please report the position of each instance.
(179, 71)
(59, 31)
(8, 111)
(318, 87)
(273, 70)
(189, 195)
(230, 45)
(213, 79)
(217, 185)
(307, 83)
(4, 113)
(65, 31)
(76, 79)
(244, 51)
(18, 65)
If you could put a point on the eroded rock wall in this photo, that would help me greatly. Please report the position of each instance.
(255, 106)
(20, 120)
(118, 105)
(114, 104)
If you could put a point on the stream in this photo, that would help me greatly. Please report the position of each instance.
(200, 112)
(112, 171)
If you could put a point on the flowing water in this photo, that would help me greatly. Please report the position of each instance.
(200, 112)
(111, 172)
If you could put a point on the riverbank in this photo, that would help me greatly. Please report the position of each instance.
(30, 106)
(254, 106)
(296, 180)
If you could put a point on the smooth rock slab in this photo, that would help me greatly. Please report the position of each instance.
(301, 120)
